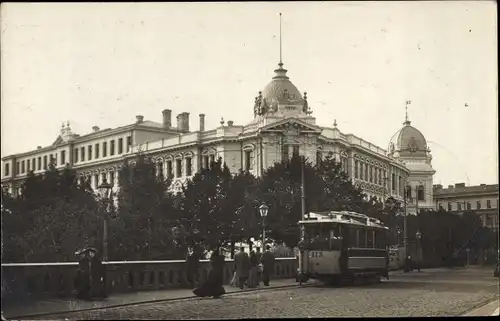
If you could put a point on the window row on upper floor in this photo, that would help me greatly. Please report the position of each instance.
(101, 150)
(467, 205)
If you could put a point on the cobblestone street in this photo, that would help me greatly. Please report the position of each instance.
(429, 293)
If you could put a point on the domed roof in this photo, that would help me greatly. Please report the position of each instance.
(408, 140)
(280, 86)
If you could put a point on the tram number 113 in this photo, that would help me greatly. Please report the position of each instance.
(316, 254)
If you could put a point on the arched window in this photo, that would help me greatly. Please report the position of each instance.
(319, 157)
(408, 192)
(356, 172)
(420, 193)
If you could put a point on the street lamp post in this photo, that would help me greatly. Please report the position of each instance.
(419, 249)
(263, 213)
(105, 189)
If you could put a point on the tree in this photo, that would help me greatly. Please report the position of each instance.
(51, 218)
(206, 214)
(142, 228)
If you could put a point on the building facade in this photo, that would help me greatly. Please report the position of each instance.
(283, 125)
(483, 199)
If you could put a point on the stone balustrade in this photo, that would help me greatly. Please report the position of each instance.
(49, 280)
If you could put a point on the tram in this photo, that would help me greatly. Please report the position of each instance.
(343, 247)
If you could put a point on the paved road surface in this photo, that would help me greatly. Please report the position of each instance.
(433, 293)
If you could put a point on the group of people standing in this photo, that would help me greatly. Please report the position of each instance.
(91, 275)
(253, 268)
(249, 270)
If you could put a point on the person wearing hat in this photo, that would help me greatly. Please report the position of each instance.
(83, 275)
(267, 259)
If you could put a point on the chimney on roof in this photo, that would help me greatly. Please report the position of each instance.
(183, 122)
(438, 186)
(459, 185)
(230, 123)
(450, 186)
(39, 147)
(167, 118)
(202, 122)
(139, 119)
(95, 129)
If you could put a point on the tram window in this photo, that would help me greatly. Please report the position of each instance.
(369, 239)
(362, 238)
(380, 240)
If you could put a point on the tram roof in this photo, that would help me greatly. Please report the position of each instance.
(343, 217)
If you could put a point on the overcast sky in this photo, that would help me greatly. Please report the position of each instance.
(103, 64)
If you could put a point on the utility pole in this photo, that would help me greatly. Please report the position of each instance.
(405, 221)
(303, 192)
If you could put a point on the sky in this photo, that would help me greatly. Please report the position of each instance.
(103, 64)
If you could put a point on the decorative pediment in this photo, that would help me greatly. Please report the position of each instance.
(291, 127)
(58, 141)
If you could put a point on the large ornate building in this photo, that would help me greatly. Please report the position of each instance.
(282, 126)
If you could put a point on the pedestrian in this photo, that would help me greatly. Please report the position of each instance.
(97, 269)
(242, 267)
(259, 266)
(254, 262)
(213, 286)
(83, 275)
(192, 266)
(267, 259)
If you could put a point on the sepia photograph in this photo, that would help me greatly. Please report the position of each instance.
(249, 160)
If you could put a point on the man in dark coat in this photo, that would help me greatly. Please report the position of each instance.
(83, 276)
(267, 259)
(192, 265)
(242, 266)
(98, 288)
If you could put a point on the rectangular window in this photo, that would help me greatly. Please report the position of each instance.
(160, 170)
(284, 153)
(90, 152)
(188, 166)
(28, 166)
(212, 159)
(96, 181)
(45, 162)
(248, 160)
(39, 163)
(63, 157)
(459, 206)
(76, 155)
(469, 206)
(393, 182)
(129, 143)
(170, 173)
(7, 169)
(104, 149)
(33, 164)
(206, 162)
(295, 151)
(371, 174)
(103, 177)
(319, 157)
(112, 178)
(18, 167)
(178, 167)
(112, 148)
(361, 176)
(120, 145)
(82, 153)
(97, 151)
(488, 204)
(449, 206)
(478, 205)
(356, 174)
(22, 167)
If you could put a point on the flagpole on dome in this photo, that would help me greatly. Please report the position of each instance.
(281, 47)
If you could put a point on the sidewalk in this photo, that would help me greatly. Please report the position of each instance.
(490, 309)
(53, 306)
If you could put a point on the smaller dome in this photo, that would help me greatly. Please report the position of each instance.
(408, 140)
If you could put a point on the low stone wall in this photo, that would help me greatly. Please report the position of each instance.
(49, 280)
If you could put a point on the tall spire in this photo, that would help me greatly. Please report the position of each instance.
(281, 62)
(407, 122)
(280, 71)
